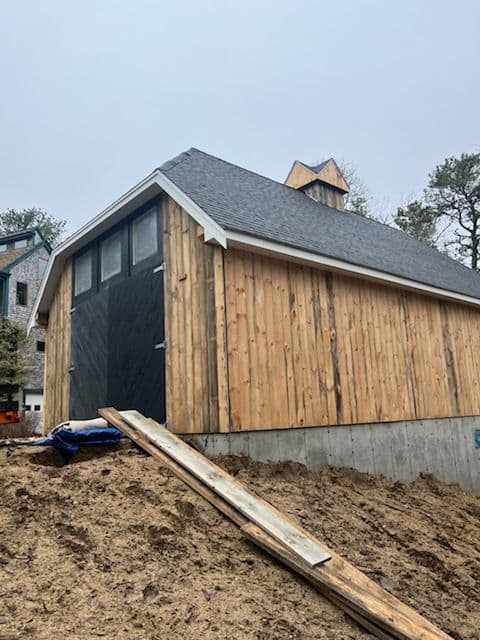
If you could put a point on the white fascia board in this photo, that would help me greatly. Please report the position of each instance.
(274, 249)
(152, 184)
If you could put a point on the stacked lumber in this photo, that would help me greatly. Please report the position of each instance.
(361, 598)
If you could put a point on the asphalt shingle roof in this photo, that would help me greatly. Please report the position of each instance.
(243, 201)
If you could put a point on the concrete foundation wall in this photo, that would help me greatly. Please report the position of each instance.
(399, 450)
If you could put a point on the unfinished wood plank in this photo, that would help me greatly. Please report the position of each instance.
(254, 508)
(369, 604)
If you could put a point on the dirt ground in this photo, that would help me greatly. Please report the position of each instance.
(113, 546)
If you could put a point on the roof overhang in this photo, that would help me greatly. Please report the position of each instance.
(157, 183)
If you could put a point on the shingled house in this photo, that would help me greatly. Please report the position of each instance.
(265, 318)
(23, 260)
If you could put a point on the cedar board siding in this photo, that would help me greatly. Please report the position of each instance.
(308, 347)
(196, 402)
(57, 356)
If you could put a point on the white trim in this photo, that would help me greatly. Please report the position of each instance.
(275, 249)
(212, 230)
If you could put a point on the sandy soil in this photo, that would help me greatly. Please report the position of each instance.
(113, 546)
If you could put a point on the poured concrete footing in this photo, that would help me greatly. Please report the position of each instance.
(445, 447)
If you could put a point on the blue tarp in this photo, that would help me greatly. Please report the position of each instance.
(68, 442)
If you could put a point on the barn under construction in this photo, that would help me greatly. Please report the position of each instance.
(263, 318)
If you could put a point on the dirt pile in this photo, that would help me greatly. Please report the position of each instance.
(113, 546)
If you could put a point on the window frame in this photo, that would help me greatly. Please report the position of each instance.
(156, 258)
(91, 248)
(23, 284)
(123, 273)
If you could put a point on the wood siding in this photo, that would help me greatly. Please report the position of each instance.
(193, 283)
(308, 347)
(57, 360)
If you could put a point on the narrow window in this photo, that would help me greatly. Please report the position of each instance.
(145, 236)
(22, 293)
(41, 346)
(3, 247)
(36, 407)
(28, 407)
(111, 256)
(83, 273)
(20, 244)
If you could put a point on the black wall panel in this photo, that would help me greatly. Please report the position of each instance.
(115, 362)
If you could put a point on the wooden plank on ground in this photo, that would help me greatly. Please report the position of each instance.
(250, 505)
(360, 597)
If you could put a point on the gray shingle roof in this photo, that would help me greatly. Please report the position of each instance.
(243, 201)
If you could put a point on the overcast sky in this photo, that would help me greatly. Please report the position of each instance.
(95, 95)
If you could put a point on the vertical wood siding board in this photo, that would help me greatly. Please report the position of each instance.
(407, 364)
(409, 346)
(369, 351)
(318, 350)
(326, 347)
(449, 361)
(232, 338)
(396, 382)
(262, 378)
(321, 409)
(452, 323)
(435, 342)
(340, 394)
(372, 356)
(276, 402)
(459, 342)
(201, 336)
(182, 381)
(212, 350)
(243, 341)
(356, 339)
(343, 321)
(416, 355)
(189, 321)
(306, 346)
(472, 354)
(251, 299)
(203, 380)
(221, 332)
(167, 292)
(179, 381)
(288, 347)
(295, 314)
(282, 377)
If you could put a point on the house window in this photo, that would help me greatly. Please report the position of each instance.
(41, 346)
(28, 407)
(20, 244)
(3, 247)
(144, 236)
(111, 256)
(22, 293)
(36, 407)
(83, 280)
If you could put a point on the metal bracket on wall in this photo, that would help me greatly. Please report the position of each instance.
(161, 345)
(72, 310)
(71, 369)
(161, 267)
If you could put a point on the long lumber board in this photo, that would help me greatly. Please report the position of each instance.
(251, 506)
(248, 528)
(364, 600)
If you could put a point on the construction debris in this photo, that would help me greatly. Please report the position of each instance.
(369, 604)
